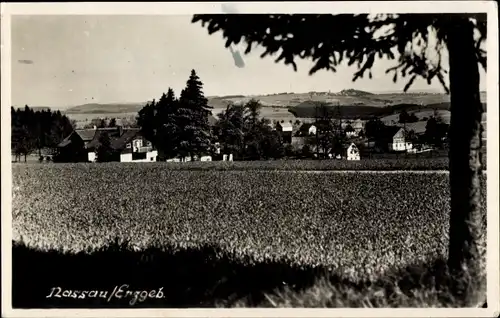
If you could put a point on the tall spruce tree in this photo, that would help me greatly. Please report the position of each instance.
(146, 120)
(104, 152)
(165, 123)
(192, 118)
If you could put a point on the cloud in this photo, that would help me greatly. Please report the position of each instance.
(25, 62)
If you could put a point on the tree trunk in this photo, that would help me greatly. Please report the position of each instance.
(467, 222)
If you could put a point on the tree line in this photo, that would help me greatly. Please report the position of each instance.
(179, 127)
(36, 130)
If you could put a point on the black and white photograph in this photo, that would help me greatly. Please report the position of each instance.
(248, 155)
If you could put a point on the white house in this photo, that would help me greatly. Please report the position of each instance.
(352, 152)
(399, 142)
(353, 127)
(286, 130)
(188, 158)
(285, 126)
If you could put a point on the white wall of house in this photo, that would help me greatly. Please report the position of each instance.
(401, 146)
(151, 156)
(286, 126)
(399, 142)
(351, 133)
(312, 130)
(188, 158)
(353, 152)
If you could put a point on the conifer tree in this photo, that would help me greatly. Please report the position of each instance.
(104, 151)
(192, 118)
(145, 120)
(166, 124)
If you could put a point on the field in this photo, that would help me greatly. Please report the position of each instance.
(210, 237)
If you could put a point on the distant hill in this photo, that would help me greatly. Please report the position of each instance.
(353, 92)
(354, 103)
(115, 108)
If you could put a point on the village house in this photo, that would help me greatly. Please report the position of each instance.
(353, 127)
(350, 132)
(286, 130)
(351, 152)
(348, 152)
(299, 138)
(398, 140)
(128, 144)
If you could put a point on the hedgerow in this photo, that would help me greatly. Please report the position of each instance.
(358, 224)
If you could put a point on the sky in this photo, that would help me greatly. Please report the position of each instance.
(67, 60)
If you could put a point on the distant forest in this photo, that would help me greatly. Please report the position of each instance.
(307, 110)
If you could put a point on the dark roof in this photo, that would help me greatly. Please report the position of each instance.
(86, 134)
(303, 130)
(390, 131)
(118, 141)
(305, 127)
(128, 134)
(64, 143)
(68, 140)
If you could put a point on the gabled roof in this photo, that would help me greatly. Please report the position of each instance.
(119, 138)
(68, 140)
(390, 131)
(304, 129)
(118, 141)
(86, 134)
(286, 126)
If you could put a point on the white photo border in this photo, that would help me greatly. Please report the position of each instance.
(189, 8)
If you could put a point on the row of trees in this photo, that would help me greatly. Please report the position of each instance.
(110, 122)
(240, 130)
(179, 127)
(36, 130)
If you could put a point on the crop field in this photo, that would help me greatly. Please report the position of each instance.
(358, 225)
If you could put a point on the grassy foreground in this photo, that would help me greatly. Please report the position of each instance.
(231, 238)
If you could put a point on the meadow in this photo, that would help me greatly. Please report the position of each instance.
(250, 237)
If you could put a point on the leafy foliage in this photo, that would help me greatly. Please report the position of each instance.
(359, 39)
(404, 117)
(436, 130)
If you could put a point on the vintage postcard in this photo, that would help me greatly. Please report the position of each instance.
(265, 159)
